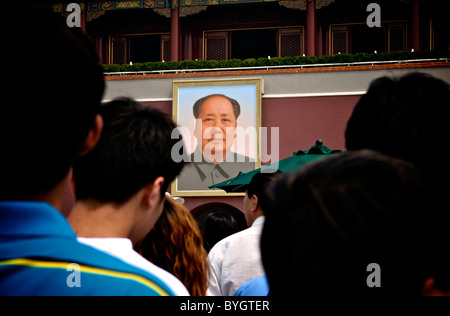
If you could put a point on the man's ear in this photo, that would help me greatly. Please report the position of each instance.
(153, 195)
(254, 203)
(93, 136)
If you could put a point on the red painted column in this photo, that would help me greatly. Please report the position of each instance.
(83, 21)
(189, 46)
(175, 34)
(415, 25)
(311, 28)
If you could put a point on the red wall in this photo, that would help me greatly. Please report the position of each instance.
(304, 120)
(300, 120)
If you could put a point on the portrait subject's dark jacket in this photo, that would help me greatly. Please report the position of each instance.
(199, 175)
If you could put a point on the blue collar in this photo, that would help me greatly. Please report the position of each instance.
(32, 219)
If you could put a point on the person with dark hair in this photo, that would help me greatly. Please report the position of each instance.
(41, 136)
(176, 245)
(120, 185)
(44, 134)
(406, 118)
(360, 223)
(219, 224)
(136, 137)
(215, 130)
(237, 258)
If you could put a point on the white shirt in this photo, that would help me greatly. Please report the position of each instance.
(122, 248)
(236, 260)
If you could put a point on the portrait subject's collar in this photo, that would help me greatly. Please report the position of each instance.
(206, 165)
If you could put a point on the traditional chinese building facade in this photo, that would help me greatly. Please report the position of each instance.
(156, 30)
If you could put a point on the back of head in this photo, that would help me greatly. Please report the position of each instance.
(134, 149)
(220, 224)
(405, 118)
(337, 216)
(53, 93)
(260, 183)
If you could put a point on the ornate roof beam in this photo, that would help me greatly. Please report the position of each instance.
(161, 4)
(301, 4)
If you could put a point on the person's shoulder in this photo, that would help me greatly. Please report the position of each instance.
(127, 279)
(221, 246)
(230, 241)
(256, 287)
(122, 249)
(67, 267)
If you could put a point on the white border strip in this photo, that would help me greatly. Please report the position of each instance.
(145, 100)
(318, 94)
(271, 96)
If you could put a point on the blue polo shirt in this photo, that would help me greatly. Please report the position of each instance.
(39, 255)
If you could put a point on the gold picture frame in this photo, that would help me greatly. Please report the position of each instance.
(238, 146)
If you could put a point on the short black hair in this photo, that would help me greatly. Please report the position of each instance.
(259, 185)
(52, 95)
(407, 118)
(220, 224)
(134, 149)
(336, 216)
(234, 103)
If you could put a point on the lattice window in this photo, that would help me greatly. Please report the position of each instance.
(165, 47)
(216, 46)
(440, 34)
(119, 50)
(397, 37)
(290, 42)
(340, 40)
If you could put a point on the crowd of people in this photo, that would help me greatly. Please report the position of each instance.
(384, 203)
